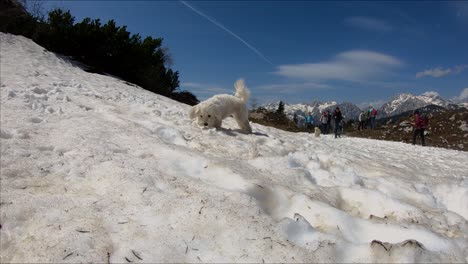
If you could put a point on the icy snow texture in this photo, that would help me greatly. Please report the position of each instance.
(96, 170)
(406, 102)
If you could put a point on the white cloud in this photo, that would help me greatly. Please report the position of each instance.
(191, 85)
(204, 91)
(356, 65)
(369, 23)
(292, 87)
(463, 97)
(440, 72)
(430, 94)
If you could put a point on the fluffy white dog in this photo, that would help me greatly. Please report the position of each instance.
(317, 132)
(211, 112)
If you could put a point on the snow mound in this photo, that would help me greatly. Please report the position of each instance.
(96, 170)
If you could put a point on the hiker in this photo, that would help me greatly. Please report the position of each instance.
(295, 120)
(329, 117)
(361, 121)
(373, 115)
(338, 117)
(367, 117)
(324, 122)
(309, 122)
(419, 125)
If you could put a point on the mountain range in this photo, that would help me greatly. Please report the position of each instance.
(397, 105)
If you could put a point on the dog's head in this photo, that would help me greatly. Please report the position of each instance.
(205, 117)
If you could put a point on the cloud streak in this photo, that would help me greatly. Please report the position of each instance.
(369, 23)
(440, 72)
(205, 90)
(355, 65)
(285, 88)
(463, 97)
(212, 20)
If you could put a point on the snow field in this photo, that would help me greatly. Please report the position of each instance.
(96, 170)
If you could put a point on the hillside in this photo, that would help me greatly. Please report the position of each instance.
(447, 129)
(96, 170)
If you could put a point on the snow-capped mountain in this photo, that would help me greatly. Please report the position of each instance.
(96, 170)
(399, 104)
(407, 102)
(349, 110)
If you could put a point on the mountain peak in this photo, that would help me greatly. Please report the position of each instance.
(431, 94)
(407, 101)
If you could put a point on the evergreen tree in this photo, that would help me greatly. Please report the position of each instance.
(105, 48)
(280, 109)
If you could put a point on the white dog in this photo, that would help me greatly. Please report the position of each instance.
(211, 112)
(317, 132)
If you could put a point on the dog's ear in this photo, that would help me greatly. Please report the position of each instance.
(193, 112)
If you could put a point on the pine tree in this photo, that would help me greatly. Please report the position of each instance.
(280, 109)
(104, 48)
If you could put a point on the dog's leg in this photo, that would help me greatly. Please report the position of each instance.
(218, 123)
(243, 121)
(246, 127)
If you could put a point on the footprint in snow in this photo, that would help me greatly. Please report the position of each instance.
(35, 120)
(38, 90)
(5, 135)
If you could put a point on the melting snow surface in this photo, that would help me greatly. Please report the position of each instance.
(95, 170)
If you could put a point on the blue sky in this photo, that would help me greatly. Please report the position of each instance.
(300, 51)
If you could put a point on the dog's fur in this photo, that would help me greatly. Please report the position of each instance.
(211, 112)
(317, 132)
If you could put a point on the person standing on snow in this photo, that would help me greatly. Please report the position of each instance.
(367, 115)
(329, 117)
(373, 115)
(324, 122)
(337, 117)
(418, 128)
(309, 122)
(361, 121)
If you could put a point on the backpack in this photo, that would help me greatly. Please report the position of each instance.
(425, 121)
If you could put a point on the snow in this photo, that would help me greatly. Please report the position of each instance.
(463, 126)
(406, 102)
(96, 170)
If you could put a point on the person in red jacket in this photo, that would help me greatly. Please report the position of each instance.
(373, 116)
(418, 128)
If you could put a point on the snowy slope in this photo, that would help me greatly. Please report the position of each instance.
(407, 102)
(95, 170)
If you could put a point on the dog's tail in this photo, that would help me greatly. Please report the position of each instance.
(241, 90)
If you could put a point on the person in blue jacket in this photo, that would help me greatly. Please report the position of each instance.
(309, 122)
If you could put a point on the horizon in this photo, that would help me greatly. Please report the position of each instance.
(359, 52)
(364, 106)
